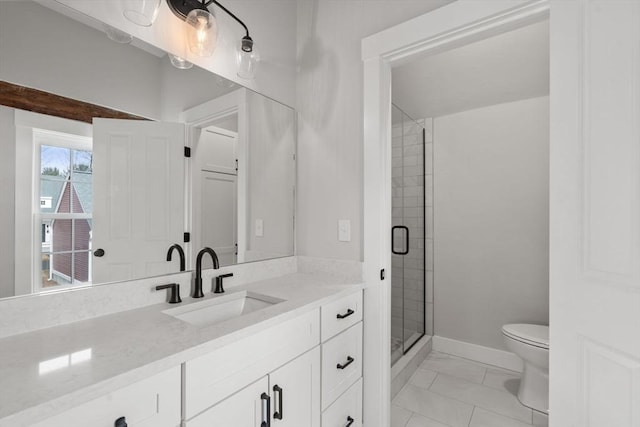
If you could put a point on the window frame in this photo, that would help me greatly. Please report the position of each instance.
(46, 137)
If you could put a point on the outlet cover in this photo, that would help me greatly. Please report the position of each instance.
(344, 230)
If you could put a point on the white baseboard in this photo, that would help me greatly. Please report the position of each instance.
(490, 356)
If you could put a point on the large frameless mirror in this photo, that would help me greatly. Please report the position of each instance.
(96, 182)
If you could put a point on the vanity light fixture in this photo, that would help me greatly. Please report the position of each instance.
(202, 32)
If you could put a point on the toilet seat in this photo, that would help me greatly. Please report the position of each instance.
(535, 335)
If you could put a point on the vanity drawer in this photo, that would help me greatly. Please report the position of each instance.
(339, 315)
(341, 363)
(348, 407)
(153, 402)
(211, 378)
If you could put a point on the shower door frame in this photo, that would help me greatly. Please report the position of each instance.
(450, 26)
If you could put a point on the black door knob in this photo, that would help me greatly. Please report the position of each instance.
(120, 422)
(99, 252)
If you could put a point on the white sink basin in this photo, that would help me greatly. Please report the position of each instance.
(222, 308)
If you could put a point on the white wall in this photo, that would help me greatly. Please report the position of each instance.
(7, 221)
(56, 54)
(491, 218)
(329, 102)
(271, 177)
(476, 75)
(184, 89)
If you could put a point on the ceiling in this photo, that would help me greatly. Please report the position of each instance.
(499, 69)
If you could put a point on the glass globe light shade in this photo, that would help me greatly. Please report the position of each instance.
(202, 32)
(141, 12)
(117, 36)
(180, 62)
(248, 59)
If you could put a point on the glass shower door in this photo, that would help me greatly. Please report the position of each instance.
(407, 234)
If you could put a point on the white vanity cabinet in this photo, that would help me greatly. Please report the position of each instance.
(152, 402)
(214, 377)
(287, 355)
(342, 362)
(305, 371)
(287, 397)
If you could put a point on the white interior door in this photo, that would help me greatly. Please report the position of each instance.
(138, 188)
(595, 214)
(219, 229)
(215, 190)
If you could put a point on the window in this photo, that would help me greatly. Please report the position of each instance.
(64, 210)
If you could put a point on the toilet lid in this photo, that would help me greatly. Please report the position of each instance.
(537, 335)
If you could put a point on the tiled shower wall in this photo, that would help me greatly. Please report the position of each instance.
(412, 204)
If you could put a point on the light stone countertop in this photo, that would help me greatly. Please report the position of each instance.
(48, 371)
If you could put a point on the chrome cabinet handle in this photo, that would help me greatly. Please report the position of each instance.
(347, 363)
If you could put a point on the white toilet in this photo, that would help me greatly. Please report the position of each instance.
(531, 344)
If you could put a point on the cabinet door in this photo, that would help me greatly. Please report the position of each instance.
(152, 402)
(247, 408)
(295, 392)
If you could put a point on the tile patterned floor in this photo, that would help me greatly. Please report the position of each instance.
(448, 391)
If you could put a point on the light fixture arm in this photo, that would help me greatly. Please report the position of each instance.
(228, 12)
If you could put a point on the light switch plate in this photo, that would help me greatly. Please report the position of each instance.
(259, 228)
(344, 230)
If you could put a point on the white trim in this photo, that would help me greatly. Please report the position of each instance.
(52, 124)
(458, 23)
(454, 25)
(478, 353)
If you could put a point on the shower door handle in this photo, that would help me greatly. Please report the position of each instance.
(393, 235)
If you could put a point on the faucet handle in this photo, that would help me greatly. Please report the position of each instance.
(219, 289)
(174, 296)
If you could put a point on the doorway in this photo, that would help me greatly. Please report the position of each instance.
(445, 28)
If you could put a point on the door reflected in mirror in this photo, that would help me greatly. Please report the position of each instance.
(217, 168)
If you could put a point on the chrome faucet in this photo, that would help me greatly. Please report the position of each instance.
(197, 293)
(180, 252)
